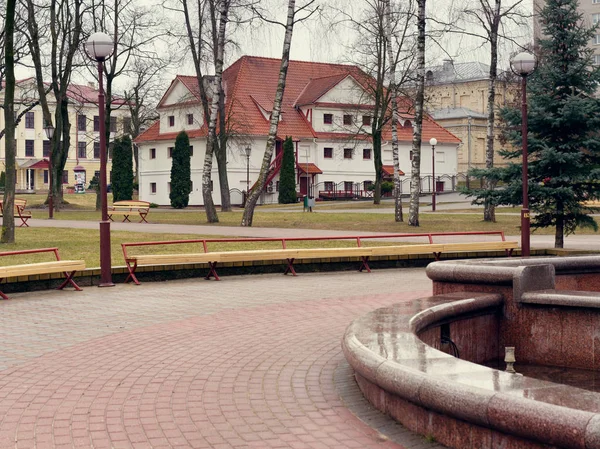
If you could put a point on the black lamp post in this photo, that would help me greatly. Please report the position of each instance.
(98, 47)
(523, 65)
(433, 143)
(49, 130)
(248, 150)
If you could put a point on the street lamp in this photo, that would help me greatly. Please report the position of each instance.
(49, 130)
(433, 143)
(98, 47)
(248, 150)
(523, 65)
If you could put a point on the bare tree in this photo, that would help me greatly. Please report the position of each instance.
(8, 219)
(255, 192)
(415, 180)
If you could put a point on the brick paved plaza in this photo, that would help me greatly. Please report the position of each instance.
(252, 361)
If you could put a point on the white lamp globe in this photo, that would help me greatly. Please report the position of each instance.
(433, 141)
(99, 46)
(523, 63)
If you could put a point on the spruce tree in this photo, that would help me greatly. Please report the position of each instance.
(563, 124)
(287, 175)
(181, 172)
(122, 169)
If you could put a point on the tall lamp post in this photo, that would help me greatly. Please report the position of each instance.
(98, 47)
(433, 143)
(248, 151)
(49, 130)
(523, 65)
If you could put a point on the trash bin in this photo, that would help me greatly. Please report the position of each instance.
(311, 203)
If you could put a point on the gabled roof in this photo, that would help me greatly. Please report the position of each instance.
(318, 87)
(153, 134)
(309, 167)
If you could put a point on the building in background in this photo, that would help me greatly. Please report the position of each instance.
(33, 147)
(327, 110)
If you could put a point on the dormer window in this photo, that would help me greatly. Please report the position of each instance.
(328, 119)
(171, 120)
(190, 119)
(347, 119)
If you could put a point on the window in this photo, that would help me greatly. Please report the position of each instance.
(328, 119)
(347, 119)
(46, 148)
(29, 148)
(440, 156)
(191, 150)
(82, 122)
(366, 120)
(328, 153)
(170, 152)
(328, 186)
(30, 120)
(366, 153)
(81, 150)
(97, 175)
(190, 119)
(96, 150)
(596, 59)
(596, 39)
(367, 185)
(127, 125)
(348, 186)
(65, 178)
(347, 153)
(45, 176)
(152, 153)
(171, 120)
(113, 124)
(595, 1)
(152, 187)
(595, 19)
(96, 123)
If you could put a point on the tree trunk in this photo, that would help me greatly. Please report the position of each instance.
(8, 219)
(559, 235)
(221, 154)
(378, 165)
(398, 216)
(489, 210)
(264, 169)
(415, 181)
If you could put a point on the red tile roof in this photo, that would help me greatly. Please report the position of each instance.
(153, 134)
(310, 167)
(388, 170)
(252, 81)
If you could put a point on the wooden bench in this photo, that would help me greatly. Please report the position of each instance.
(20, 211)
(291, 255)
(68, 267)
(129, 208)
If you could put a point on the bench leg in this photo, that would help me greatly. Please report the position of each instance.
(143, 218)
(131, 275)
(212, 272)
(2, 295)
(126, 219)
(110, 217)
(437, 256)
(24, 222)
(365, 264)
(69, 280)
(290, 267)
(509, 252)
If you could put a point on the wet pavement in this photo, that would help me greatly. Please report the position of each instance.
(251, 361)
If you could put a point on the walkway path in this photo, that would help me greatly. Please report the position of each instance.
(247, 362)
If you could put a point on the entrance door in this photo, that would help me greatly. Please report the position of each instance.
(304, 185)
(30, 179)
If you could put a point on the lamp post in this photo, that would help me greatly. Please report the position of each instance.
(248, 150)
(49, 130)
(433, 143)
(523, 65)
(98, 47)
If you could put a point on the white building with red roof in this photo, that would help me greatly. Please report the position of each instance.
(326, 110)
(33, 147)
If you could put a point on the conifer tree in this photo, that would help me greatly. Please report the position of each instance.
(122, 169)
(287, 176)
(181, 172)
(563, 124)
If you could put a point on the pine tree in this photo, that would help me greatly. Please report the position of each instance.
(563, 123)
(287, 176)
(181, 172)
(122, 169)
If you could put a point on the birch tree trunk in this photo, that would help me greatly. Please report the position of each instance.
(415, 180)
(209, 205)
(8, 219)
(264, 169)
(398, 216)
(489, 210)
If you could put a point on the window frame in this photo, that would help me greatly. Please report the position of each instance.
(153, 188)
(171, 121)
(30, 120)
(367, 120)
(190, 119)
(82, 122)
(152, 153)
(46, 148)
(348, 120)
(81, 150)
(327, 119)
(170, 152)
(328, 186)
(328, 150)
(29, 145)
(367, 154)
(96, 123)
(348, 153)
(96, 150)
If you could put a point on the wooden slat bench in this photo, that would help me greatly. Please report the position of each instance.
(129, 208)
(20, 211)
(68, 267)
(212, 258)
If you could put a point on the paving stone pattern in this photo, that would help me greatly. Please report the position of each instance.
(252, 361)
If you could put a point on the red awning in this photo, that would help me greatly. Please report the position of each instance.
(43, 164)
(309, 167)
(388, 170)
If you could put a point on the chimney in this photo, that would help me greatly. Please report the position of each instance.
(448, 66)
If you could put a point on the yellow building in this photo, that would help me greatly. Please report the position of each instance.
(33, 147)
(456, 97)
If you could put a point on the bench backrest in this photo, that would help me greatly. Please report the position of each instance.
(19, 204)
(132, 203)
